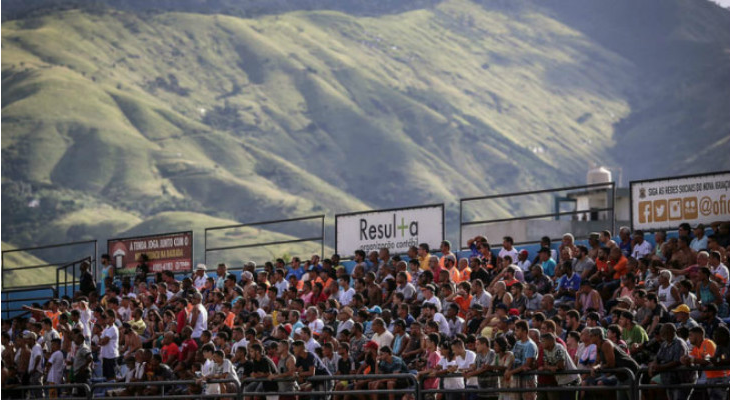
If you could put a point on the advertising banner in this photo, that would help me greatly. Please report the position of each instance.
(666, 203)
(166, 252)
(395, 229)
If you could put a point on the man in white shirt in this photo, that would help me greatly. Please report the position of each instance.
(345, 320)
(381, 336)
(109, 343)
(55, 364)
(405, 287)
(720, 273)
(465, 359)
(428, 296)
(35, 365)
(198, 317)
(699, 242)
(239, 340)
(200, 277)
(314, 323)
(346, 292)
(430, 313)
(523, 262)
(280, 283)
(507, 249)
(642, 248)
(479, 295)
(310, 344)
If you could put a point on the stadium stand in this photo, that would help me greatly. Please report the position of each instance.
(606, 316)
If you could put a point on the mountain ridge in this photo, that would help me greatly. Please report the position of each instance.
(306, 112)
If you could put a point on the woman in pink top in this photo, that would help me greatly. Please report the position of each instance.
(432, 359)
(589, 298)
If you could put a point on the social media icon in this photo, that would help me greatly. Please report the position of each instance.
(660, 210)
(675, 209)
(689, 207)
(645, 212)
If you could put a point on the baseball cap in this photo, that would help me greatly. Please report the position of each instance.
(287, 328)
(30, 335)
(247, 275)
(513, 311)
(376, 310)
(524, 252)
(681, 308)
(624, 299)
(450, 257)
(371, 345)
(201, 267)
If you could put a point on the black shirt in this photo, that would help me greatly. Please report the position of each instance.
(312, 360)
(266, 365)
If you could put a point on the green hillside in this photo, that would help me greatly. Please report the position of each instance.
(116, 121)
(26, 277)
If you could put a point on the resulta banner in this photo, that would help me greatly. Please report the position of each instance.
(396, 229)
(166, 252)
(666, 203)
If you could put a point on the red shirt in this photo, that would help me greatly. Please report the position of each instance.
(170, 352)
(188, 346)
(182, 319)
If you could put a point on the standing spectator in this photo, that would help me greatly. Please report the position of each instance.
(86, 280)
(525, 351)
(109, 343)
(82, 362)
(557, 359)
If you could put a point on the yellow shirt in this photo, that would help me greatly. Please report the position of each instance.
(423, 262)
(138, 326)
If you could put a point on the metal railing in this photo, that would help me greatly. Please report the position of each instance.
(631, 386)
(34, 390)
(59, 250)
(166, 384)
(610, 187)
(687, 386)
(64, 270)
(10, 296)
(413, 386)
(319, 238)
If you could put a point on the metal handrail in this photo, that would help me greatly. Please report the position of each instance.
(6, 300)
(324, 378)
(321, 238)
(26, 388)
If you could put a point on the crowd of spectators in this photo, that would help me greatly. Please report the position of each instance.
(484, 319)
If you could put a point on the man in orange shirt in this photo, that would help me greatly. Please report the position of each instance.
(702, 350)
(464, 269)
(449, 263)
(53, 313)
(462, 298)
(618, 266)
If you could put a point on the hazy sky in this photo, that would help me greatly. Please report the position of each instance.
(724, 3)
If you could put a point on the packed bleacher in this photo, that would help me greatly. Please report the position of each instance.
(493, 316)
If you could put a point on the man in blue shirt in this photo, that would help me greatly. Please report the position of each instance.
(296, 269)
(547, 262)
(389, 364)
(525, 351)
(568, 284)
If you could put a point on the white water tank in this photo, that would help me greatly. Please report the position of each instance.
(599, 175)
